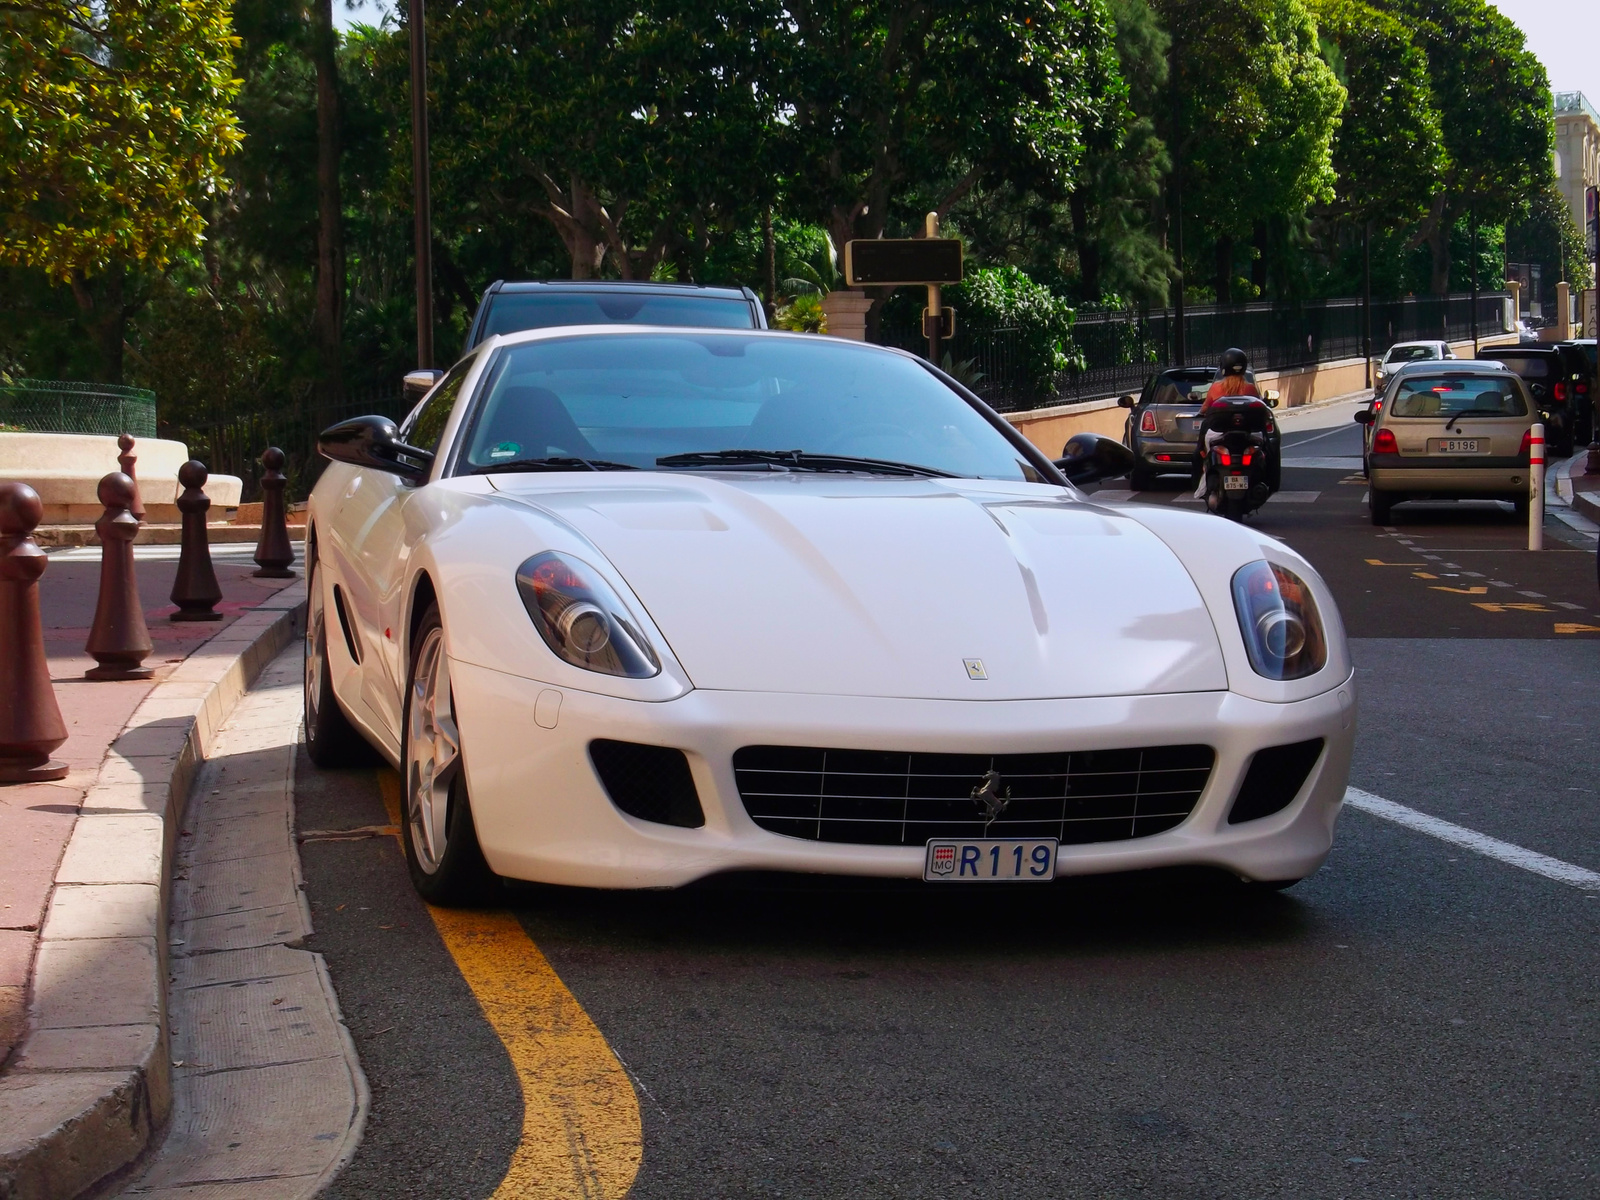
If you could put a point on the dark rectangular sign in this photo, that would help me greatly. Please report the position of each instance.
(870, 262)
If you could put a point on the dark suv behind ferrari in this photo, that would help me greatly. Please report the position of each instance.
(1558, 375)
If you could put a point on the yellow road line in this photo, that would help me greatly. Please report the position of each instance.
(581, 1135)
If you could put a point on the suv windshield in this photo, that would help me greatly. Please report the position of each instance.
(1453, 395)
(631, 400)
(512, 312)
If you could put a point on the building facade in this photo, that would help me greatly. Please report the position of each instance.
(1577, 152)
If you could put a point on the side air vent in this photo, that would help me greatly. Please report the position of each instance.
(344, 624)
(1274, 779)
(651, 783)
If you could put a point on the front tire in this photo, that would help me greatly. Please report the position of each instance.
(331, 741)
(441, 843)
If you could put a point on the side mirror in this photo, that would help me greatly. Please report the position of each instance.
(1363, 417)
(1126, 401)
(419, 383)
(1271, 397)
(374, 442)
(1089, 457)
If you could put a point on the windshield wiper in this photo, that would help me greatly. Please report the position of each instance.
(1472, 412)
(797, 460)
(556, 462)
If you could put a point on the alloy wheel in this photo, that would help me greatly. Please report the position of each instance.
(433, 753)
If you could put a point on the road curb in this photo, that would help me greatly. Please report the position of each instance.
(92, 1081)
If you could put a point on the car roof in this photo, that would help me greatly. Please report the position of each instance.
(1424, 342)
(1453, 365)
(636, 286)
(1524, 348)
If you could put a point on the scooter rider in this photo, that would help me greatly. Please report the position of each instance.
(1231, 380)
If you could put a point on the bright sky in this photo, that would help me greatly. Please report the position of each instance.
(1565, 34)
(360, 12)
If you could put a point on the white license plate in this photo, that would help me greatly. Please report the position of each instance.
(1458, 445)
(1011, 860)
(1235, 483)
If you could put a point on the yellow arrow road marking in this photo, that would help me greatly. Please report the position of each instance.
(1513, 608)
(581, 1134)
(1567, 627)
(1378, 562)
(1424, 575)
(1471, 591)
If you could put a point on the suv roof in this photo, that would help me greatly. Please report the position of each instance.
(676, 293)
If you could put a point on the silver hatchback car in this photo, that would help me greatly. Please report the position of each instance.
(1458, 432)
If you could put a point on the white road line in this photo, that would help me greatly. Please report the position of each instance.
(1316, 437)
(1471, 839)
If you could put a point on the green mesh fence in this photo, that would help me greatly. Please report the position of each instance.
(48, 406)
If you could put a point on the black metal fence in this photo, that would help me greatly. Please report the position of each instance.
(1119, 350)
(53, 406)
(232, 444)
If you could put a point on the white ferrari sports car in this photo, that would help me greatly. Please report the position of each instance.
(629, 607)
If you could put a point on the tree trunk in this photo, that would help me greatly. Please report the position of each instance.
(104, 318)
(1225, 269)
(1439, 247)
(330, 237)
(1088, 248)
(1258, 268)
(771, 254)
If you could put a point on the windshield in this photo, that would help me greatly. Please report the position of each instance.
(633, 399)
(1404, 354)
(512, 312)
(1451, 395)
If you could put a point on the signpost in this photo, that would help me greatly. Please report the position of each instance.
(929, 262)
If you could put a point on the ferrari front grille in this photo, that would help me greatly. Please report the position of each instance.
(887, 798)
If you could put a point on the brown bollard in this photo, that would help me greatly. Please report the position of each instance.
(118, 639)
(125, 460)
(30, 719)
(195, 589)
(274, 553)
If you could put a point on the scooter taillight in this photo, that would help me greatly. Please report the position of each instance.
(1225, 458)
(1384, 443)
(1249, 457)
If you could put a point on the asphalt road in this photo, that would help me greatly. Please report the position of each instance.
(1415, 1020)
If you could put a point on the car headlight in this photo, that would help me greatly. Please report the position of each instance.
(582, 619)
(1279, 620)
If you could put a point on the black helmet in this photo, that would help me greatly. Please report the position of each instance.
(1234, 361)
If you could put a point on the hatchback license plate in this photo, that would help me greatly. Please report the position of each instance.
(1009, 860)
(1235, 483)
(1458, 445)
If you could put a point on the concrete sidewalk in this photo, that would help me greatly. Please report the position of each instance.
(83, 892)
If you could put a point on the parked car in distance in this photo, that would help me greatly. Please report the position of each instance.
(1459, 432)
(1375, 405)
(1164, 420)
(1402, 353)
(1558, 376)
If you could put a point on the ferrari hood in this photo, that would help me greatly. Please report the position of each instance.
(926, 588)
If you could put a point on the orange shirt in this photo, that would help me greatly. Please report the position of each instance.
(1228, 385)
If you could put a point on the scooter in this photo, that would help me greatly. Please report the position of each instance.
(1239, 478)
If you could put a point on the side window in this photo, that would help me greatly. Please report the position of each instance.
(427, 427)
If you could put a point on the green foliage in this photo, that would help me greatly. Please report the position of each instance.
(1005, 298)
(114, 121)
(1389, 151)
(1257, 107)
(803, 314)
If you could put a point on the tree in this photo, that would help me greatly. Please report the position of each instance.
(114, 122)
(1494, 101)
(631, 128)
(1253, 110)
(879, 97)
(1119, 251)
(1389, 150)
